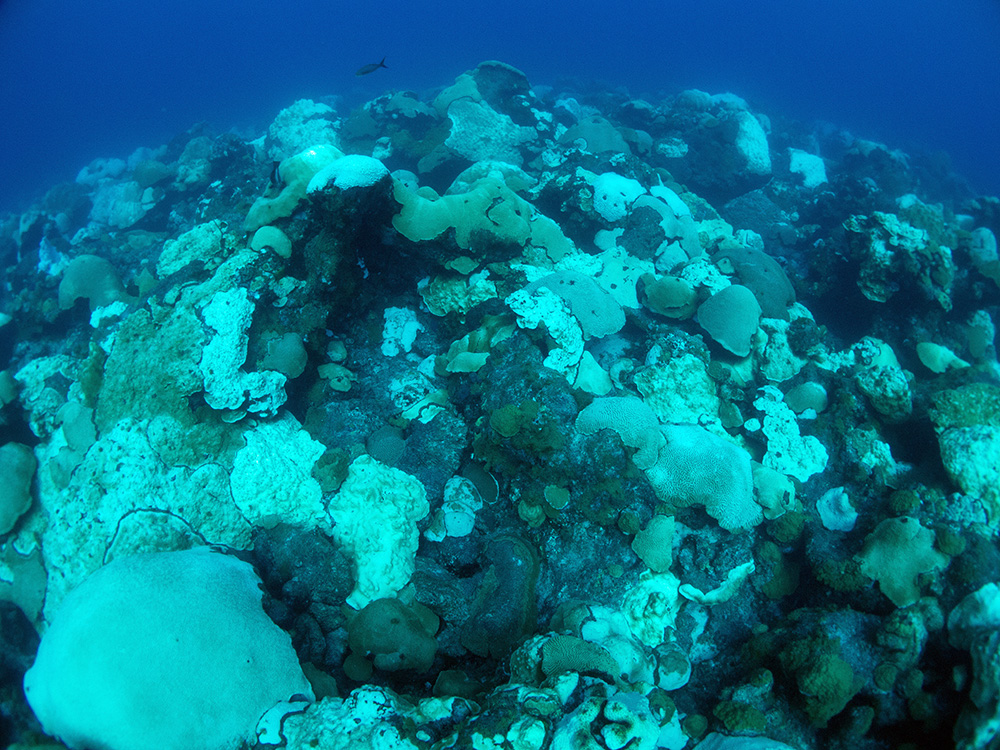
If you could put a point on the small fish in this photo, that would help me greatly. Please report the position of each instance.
(276, 180)
(371, 68)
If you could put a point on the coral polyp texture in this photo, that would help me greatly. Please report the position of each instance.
(548, 418)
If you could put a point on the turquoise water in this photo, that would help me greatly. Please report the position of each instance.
(95, 79)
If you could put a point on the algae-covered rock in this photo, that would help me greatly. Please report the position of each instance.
(207, 243)
(967, 421)
(894, 255)
(972, 457)
(740, 717)
(299, 126)
(727, 151)
(136, 474)
(505, 610)
(17, 466)
(152, 368)
(121, 204)
(976, 404)
(394, 635)
(480, 132)
(824, 679)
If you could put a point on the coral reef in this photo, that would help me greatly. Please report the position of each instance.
(549, 418)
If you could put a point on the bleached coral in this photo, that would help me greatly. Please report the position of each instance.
(227, 386)
(788, 450)
(350, 171)
(695, 467)
(272, 477)
(375, 515)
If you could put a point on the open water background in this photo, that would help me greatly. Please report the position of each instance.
(85, 79)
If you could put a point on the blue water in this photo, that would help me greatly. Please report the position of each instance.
(80, 80)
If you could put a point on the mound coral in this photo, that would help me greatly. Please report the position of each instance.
(731, 317)
(169, 650)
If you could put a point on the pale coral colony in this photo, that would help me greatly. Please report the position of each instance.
(532, 418)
